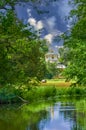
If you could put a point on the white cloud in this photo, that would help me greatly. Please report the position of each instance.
(56, 32)
(51, 22)
(32, 21)
(29, 12)
(36, 24)
(50, 25)
(39, 25)
(49, 38)
(68, 26)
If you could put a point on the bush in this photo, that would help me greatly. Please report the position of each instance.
(37, 93)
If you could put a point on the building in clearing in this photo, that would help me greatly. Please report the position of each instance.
(60, 66)
(51, 57)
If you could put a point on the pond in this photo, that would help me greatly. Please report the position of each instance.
(44, 115)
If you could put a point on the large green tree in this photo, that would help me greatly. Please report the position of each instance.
(76, 45)
(21, 50)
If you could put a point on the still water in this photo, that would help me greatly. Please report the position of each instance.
(45, 115)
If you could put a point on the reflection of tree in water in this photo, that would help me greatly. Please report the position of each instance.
(20, 119)
(35, 119)
(30, 117)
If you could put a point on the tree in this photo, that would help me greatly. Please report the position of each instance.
(21, 50)
(76, 44)
(64, 56)
(51, 70)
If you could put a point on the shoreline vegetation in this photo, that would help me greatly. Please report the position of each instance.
(52, 88)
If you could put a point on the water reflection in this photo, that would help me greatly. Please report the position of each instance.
(60, 117)
(67, 115)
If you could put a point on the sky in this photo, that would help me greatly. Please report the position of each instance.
(59, 117)
(52, 22)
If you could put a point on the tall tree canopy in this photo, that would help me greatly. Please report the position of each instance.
(21, 50)
(76, 45)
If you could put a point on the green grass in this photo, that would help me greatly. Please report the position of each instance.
(46, 92)
(55, 80)
(57, 83)
(35, 93)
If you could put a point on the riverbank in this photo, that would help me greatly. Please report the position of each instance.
(41, 92)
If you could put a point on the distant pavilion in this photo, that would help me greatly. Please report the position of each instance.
(51, 57)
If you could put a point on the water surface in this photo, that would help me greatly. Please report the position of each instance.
(45, 115)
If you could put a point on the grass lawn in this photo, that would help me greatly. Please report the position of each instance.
(57, 83)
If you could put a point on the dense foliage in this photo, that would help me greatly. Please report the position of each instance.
(75, 44)
(52, 71)
(21, 50)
